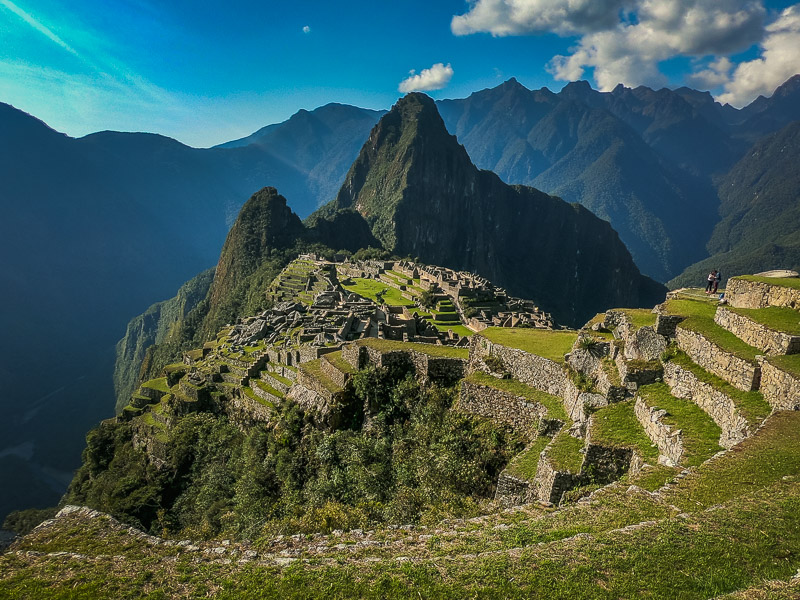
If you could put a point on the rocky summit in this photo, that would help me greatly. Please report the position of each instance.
(422, 196)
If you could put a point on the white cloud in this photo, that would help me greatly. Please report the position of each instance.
(435, 78)
(515, 17)
(37, 25)
(714, 75)
(779, 60)
(306, 29)
(623, 41)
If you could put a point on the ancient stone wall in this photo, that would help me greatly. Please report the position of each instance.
(757, 335)
(780, 389)
(668, 440)
(313, 384)
(755, 294)
(738, 372)
(684, 384)
(512, 491)
(538, 372)
(550, 485)
(524, 416)
(340, 378)
(666, 324)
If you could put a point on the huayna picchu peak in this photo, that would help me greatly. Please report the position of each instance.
(421, 195)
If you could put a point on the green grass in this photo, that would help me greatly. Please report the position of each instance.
(773, 317)
(281, 378)
(313, 368)
(248, 391)
(751, 405)
(652, 477)
(335, 358)
(789, 282)
(617, 426)
(720, 337)
(553, 404)
(564, 452)
(459, 329)
(429, 349)
(547, 343)
(789, 364)
(267, 388)
(700, 433)
(691, 308)
(369, 288)
(640, 317)
(767, 457)
(524, 464)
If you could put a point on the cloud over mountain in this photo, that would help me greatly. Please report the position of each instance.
(624, 42)
(435, 78)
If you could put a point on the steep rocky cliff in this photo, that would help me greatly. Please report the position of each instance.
(421, 195)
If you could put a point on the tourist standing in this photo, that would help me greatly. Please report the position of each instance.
(710, 281)
(717, 279)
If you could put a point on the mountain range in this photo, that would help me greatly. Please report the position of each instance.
(102, 226)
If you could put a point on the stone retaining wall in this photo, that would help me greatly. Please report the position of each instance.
(780, 389)
(684, 384)
(736, 371)
(666, 324)
(755, 294)
(757, 335)
(668, 440)
(246, 412)
(312, 383)
(338, 377)
(538, 372)
(512, 491)
(550, 485)
(520, 413)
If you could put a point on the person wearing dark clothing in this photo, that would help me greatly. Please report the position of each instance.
(717, 279)
(710, 281)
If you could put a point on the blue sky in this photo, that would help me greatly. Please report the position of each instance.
(207, 72)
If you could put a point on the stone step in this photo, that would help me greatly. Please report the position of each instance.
(737, 413)
(717, 350)
(773, 330)
(276, 381)
(684, 433)
(266, 392)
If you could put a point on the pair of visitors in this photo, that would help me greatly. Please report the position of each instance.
(710, 280)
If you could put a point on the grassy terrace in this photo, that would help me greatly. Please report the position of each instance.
(277, 377)
(751, 405)
(524, 464)
(790, 282)
(700, 433)
(789, 364)
(429, 349)
(335, 358)
(774, 317)
(313, 369)
(547, 343)
(640, 317)
(248, 391)
(700, 319)
(370, 288)
(267, 387)
(553, 404)
(617, 426)
(564, 452)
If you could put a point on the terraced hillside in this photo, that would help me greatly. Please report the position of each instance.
(659, 456)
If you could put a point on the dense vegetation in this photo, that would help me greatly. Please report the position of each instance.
(414, 459)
